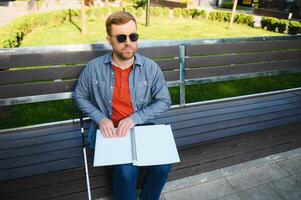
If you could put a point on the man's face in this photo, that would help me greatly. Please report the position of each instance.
(125, 50)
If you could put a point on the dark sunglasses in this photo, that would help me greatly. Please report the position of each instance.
(122, 37)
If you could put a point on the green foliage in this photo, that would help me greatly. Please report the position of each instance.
(156, 11)
(222, 16)
(294, 27)
(12, 34)
(213, 15)
(227, 5)
(273, 23)
(203, 13)
(242, 18)
(177, 12)
(265, 21)
(140, 12)
(140, 3)
(165, 11)
(186, 12)
(282, 24)
(130, 9)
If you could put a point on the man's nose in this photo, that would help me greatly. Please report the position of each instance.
(127, 41)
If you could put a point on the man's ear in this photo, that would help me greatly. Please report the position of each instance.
(109, 40)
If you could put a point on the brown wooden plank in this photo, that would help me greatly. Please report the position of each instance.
(45, 59)
(207, 49)
(171, 75)
(159, 52)
(42, 74)
(242, 69)
(9, 91)
(242, 58)
(197, 135)
(169, 64)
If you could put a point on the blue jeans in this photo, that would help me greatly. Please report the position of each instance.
(125, 179)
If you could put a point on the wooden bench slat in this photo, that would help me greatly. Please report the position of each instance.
(39, 148)
(162, 52)
(55, 73)
(42, 74)
(207, 49)
(243, 69)
(233, 131)
(200, 121)
(40, 140)
(242, 58)
(46, 59)
(31, 89)
(42, 168)
(226, 123)
(202, 111)
(22, 90)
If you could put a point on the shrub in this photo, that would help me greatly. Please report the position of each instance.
(294, 27)
(130, 9)
(282, 24)
(272, 24)
(264, 22)
(140, 11)
(221, 16)
(203, 13)
(213, 15)
(195, 13)
(227, 5)
(165, 11)
(186, 12)
(156, 11)
(177, 12)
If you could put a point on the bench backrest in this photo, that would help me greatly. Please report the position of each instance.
(50, 73)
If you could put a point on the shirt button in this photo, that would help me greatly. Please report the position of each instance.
(110, 113)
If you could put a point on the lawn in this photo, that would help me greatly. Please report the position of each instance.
(160, 29)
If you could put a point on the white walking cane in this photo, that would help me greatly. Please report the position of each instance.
(85, 157)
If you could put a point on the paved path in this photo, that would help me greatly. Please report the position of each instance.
(276, 177)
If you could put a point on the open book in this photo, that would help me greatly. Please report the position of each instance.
(143, 146)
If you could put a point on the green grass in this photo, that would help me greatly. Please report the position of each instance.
(160, 29)
(22, 115)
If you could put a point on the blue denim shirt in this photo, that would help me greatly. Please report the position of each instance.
(94, 91)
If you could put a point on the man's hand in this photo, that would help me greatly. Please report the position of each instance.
(107, 128)
(124, 126)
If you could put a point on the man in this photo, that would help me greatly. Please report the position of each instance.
(120, 90)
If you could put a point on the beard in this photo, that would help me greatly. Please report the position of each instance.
(126, 52)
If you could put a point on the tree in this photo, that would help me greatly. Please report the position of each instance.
(233, 13)
(83, 18)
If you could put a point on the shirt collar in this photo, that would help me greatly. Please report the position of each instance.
(138, 60)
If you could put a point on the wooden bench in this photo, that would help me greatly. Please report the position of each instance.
(46, 162)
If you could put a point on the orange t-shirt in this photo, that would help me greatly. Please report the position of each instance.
(121, 102)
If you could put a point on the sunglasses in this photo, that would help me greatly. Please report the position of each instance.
(122, 37)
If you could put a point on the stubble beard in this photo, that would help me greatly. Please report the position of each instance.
(125, 54)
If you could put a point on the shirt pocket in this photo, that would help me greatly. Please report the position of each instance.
(144, 95)
(98, 88)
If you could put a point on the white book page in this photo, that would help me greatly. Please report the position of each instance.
(112, 151)
(155, 145)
